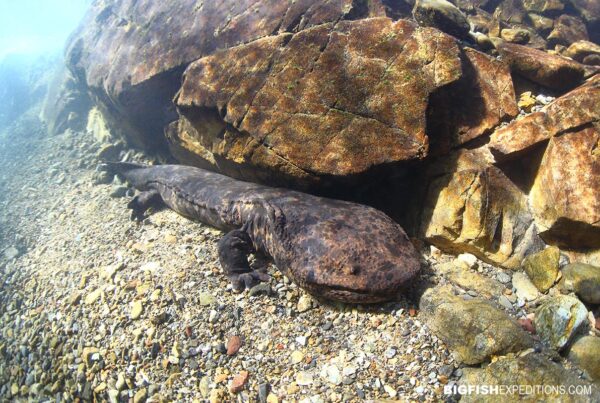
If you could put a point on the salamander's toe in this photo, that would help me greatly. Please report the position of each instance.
(242, 281)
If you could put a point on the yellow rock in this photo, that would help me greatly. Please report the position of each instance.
(272, 398)
(527, 101)
(137, 309)
(94, 296)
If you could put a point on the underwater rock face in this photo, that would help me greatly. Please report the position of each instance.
(478, 102)
(548, 70)
(131, 54)
(570, 112)
(478, 209)
(330, 100)
(565, 197)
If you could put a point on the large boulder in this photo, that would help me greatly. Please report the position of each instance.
(585, 352)
(131, 54)
(473, 330)
(66, 105)
(336, 99)
(443, 15)
(534, 378)
(474, 105)
(567, 30)
(572, 111)
(565, 197)
(584, 280)
(552, 71)
(472, 206)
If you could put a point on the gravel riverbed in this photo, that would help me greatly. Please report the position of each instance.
(96, 306)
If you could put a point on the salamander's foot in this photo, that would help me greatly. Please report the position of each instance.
(234, 249)
(242, 281)
(142, 202)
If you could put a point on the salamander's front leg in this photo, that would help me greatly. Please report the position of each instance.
(142, 202)
(234, 249)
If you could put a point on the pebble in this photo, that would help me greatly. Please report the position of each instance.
(390, 353)
(137, 309)
(206, 299)
(304, 303)
(524, 288)
(505, 303)
(503, 277)
(233, 345)
(260, 289)
(390, 391)
(297, 356)
(469, 259)
(304, 378)
(140, 396)
(263, 392)
(213, 316)
(239, 381)
(331, 374)
(92, 297)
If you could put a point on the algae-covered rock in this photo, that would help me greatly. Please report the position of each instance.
(474, 330)
(559, 319)
(584, 280)
(531, 372)
(585, 352)
(542, 267)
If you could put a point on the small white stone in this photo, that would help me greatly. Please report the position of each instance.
(390, 391)
(469, 259)
(524, 288)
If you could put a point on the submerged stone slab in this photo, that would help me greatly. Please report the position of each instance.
(478, 209)
(131, 54)
(335, 99)
(570, 112)
(565, 197)
(474, 105)
(552, 71)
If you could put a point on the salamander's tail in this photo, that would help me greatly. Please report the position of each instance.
(119, 168)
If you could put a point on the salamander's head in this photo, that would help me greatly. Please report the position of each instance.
(352, 253)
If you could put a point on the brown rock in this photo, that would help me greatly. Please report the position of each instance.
(544, 6)
(580, 49)
(442, 15)
(552, 71)
(592, 60)
(575, 109)
(239, 381)
(584, 280)
(131, 54)
(233, 345)
(329, 100)
(565, 197)
(527, 325)
(482, 99)
(515, 35)
(541, 24)
(567, 30)
(477, 209)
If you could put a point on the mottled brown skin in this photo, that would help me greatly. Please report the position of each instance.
(334, 249)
